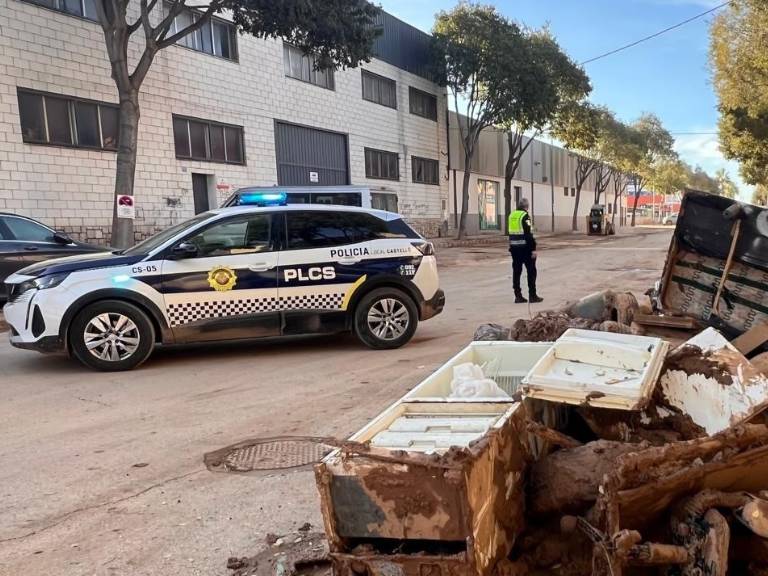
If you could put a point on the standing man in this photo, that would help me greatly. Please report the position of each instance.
(522, 246)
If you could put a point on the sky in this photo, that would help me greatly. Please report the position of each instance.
(668, 75)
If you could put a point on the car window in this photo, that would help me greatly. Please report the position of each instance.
(153, 242)
(27, 230)
(245, 234)
(322, 229)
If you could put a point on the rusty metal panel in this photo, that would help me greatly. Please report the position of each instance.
(402, 501)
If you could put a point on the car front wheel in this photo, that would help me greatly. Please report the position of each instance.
(111, 335)
(385, 318)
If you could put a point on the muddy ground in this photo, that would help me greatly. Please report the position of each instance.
(103, 474)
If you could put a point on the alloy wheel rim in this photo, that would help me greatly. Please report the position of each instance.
(388, 319)
(111, 336)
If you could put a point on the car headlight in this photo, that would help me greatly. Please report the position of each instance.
(42, 283)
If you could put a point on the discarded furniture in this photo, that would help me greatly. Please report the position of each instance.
(602, 369)
(433, 485)
(507, 363)
(717, 266)
(711, 381)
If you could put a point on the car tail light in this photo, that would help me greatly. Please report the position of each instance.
(426, 248)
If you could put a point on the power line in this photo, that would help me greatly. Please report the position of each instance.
(693, 133)
(659, 33)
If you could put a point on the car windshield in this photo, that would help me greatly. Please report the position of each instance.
(153, 242)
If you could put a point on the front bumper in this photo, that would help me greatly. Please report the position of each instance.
(29, 328)
(433, 306)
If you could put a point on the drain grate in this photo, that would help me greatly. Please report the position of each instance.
(268, 454)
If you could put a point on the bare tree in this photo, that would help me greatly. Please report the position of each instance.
(340, 32)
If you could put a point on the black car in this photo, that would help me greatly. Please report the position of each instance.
(24, 241)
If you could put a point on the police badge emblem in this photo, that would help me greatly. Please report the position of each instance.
(221, 278)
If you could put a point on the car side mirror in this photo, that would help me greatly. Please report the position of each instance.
(184, 250)
(61, 238)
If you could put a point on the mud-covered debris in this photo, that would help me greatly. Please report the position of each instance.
(693, 360)
(567, 481)
(491, 332)
(271, 539)
(544, 327)
(302, 554)
(306, 527)
(605, 305)
(235, 563)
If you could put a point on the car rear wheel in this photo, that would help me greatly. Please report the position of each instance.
(111, 335)
(386, 318)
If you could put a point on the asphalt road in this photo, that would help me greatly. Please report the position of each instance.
(74, 502)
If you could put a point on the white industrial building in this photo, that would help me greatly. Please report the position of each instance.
(226, 110)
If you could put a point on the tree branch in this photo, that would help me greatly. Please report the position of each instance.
(202, 19)
(165, 24)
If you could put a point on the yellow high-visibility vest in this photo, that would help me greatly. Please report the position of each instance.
(515, 223)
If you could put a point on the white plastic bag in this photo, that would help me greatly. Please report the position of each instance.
(470, 382)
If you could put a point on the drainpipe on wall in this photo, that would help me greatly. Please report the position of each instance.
(448, 146)
(552, 182)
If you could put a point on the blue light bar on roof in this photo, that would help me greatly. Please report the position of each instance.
(263, 199)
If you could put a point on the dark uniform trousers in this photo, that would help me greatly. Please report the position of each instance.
(523, 256)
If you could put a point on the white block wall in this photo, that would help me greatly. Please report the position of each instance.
(542, 204)
(72, 189)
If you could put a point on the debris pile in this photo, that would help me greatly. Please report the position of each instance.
(611, 456)
(607, 311)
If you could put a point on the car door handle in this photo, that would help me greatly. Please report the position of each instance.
(31, 248)
(260, 267)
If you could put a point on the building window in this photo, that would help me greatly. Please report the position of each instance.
(216, 37)
(422, 104)
(610, 207)
(381, 165)
(384, 201)
(425, 170)
(573, 192)
(565, 190)
(487, 202)
(302, 67)
(81, 8)
(208, 141)
(379, 89)
(66, 121)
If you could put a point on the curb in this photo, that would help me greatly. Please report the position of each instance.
(467, 242)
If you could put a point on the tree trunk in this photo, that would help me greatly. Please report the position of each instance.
(575, 223)
(514, 146)
(465, 196)
(507, 203)
(122, 228)
(634, 207)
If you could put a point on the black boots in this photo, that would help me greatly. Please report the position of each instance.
(519, 299)
(534, 298)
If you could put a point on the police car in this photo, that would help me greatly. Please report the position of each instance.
(255, 271)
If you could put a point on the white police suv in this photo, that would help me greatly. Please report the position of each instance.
(231, 274)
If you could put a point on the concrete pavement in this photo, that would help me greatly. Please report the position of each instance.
(74, 503)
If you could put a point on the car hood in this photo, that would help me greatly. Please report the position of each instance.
(80, 262)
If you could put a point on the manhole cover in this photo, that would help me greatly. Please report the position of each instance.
(268, 454)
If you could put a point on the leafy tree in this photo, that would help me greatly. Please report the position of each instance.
(339, 32)
(726, 186)
(532, 87)
(471, 44)
(670, 176)
(581, 126)
(653, 146)
(760, 195)
(698, 179)
(740, 67)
